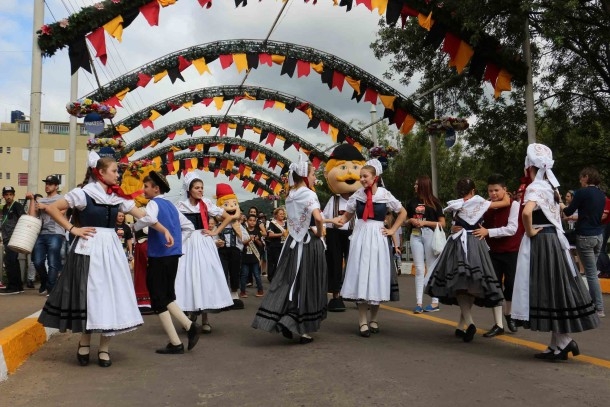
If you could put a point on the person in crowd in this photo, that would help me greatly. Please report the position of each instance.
(11, 212)
(163, 261)
(94, 293)
(251, 256)
(200, 284)
(31, 272)
(424, 213)
(276, 235)
(123, 231)
(233, 235)
(503, 231)
(549, 295)
(295, 303)
(603, 262)
(568, 223)
(342, 172)
(464, 274)
(140, 263)
(589, 201)
(51, 240)
(368, 271)
(262, 220)
(395, 252)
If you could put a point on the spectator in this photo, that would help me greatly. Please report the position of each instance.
(251, 257)
(276, 235)
(603, 262)
(11, 212)
(123, 230)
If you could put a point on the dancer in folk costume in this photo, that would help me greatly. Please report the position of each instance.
(463, 274)
(549, 294)
(201, 283)
(295, 303)
(163, 262)
(140, 263)
(368, 270)
(95, 292)
(342, 172)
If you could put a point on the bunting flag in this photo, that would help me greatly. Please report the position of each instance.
(502, 83)
(115, 28)
(201, 65)
(157, 77)
(303, 68)
(387, 101)
(355, 84)
(150, 12)
(226, 60)
(218, 102)
(98, 40)
(79, 55)
(143, 79)
(183, 63)
(241, 62)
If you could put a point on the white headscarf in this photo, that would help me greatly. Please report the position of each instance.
(92, 159)
(188, 179)
(300, 168)
(375, 163)
(541, 157)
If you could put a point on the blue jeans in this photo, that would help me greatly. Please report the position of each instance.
(588, 248)
(423, 258)
(48, 249)
(246, 269)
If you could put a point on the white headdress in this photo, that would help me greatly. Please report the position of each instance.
(541, 157)
(190, 177)
(300, 168)
(92, 159)
(375, 163)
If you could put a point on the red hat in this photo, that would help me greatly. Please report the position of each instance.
(225, 191)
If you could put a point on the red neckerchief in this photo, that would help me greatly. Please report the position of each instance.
(203, 210)
(115, 189)
(369, 212)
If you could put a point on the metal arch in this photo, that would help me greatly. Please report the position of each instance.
(212, 50)
(232, 91)
(239, 160)
(215, 121)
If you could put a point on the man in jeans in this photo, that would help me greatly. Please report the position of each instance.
(589, 201)
(50, 242)
(11, 212)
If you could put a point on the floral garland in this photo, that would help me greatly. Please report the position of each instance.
(82, 107)
(446, 123)
(379, 151)
(96, 143)
(136, 168)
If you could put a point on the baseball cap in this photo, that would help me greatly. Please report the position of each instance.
(51, 179)
(8, 189)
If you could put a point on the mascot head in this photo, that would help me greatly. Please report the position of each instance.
(226, 198)
(342, 170)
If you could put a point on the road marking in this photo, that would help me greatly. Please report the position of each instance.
(505, 338)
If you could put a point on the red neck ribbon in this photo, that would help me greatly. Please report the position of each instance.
(110, 189)
(203, 210)
(369, 212)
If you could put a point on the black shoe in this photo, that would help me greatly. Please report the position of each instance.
(494, 331)
(83, 360)
(469, 334)
(336, 305)
(103, 362)
(193, 334)
(547, 354)
(206, 328)
(146, 310)
(305, 340)
(10, 291)
(374, 329)
(29, 284)
(42, 288)
(366, 333)
(287, 333)
(171, 349)
(238, 304)
(510, 324)
(460, 333)
(563, 353)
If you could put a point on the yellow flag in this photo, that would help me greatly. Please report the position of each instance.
(278, 59)
(247, 171)
(201, 66)
(502, 83)
(230, 164)
(129, 154)
(334, 132)
(279, 105)
(380, 5)
(232, 126)
(115, 27)
(121, 95)
(408, 124)
(462, 57)
(207, 127)
(260, 159)
(165, 3)
(188, 105)
(425, 22)
(240, 62)
(319, 67)
(154, 115)
(218, 101)
(180, 131)
(250, 187)
(154, 143)
(122, 129)
(248, 96)
(157, 77)
(199, 147)
(355, 84)
(388, 101)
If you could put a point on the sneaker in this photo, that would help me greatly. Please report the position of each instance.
(30, 284)
(260, 293)
(243, 294)
(430, 308)
(2, 286)
(249, 285)
(418, 310)
(601, 314)
(10, 291)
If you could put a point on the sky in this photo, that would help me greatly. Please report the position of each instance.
(330, 29)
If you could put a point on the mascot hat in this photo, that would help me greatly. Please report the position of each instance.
(224, 192)
(346, 152)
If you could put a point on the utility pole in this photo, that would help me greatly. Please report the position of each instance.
(35, 99)
(529, 85)
(374, 120)
(73, 133)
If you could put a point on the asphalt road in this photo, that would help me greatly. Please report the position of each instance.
(413, 361)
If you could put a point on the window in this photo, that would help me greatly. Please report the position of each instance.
(0, 175)
(8, 150)
(22, 179)
(60, 156)
(8, 175)
(1, 150)
(25, 154)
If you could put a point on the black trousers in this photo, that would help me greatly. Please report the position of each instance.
(273, 256)
(160, 281)
(337, 249)
(505, 266)
(230, 257)
(13, 269)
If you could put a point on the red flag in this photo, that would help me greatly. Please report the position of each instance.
(491, 73)
(183, 63)
(399, 117)
(245, 183)
(226, 60)
(258, 176)
(324, 126)
(113, 101)
(173, 106)
(171, 135)
(241, 169)
(206, 162)
(188, 164)
(265, 59)
(124, 159)
(143, 79)
(338, 80)
(216, 171)
(268, 103)
(98, 39)
(231, 176)
(451, 44)
(205, 3)
(273, 184)
(303, 68)
(207, 101)
(270, 139)
(316, 162)
(297, 146)
(367, 3)
(150, 12)
(147, 123)
(253, 155)
(370, 95)
(237, 99)
(272, 163)
(223, 128)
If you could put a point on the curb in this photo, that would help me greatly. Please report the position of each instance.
(19, 341)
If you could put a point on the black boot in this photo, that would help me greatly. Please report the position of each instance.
(510, 324)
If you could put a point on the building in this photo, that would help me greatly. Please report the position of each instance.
(53, 155)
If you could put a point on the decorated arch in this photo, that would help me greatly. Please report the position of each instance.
(485, 54)
(269, 134)
(250, 54)
(328, 123)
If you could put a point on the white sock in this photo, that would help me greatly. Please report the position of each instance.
(84, 342)
(168, 327)
(463, 301)
(362, 309)
(180, 316)
(104, 347)
(374, 311)
(562, 341)
(498, 316)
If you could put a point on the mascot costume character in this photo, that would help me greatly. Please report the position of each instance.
(342, 173)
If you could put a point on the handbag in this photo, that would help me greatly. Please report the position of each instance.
(438, 240)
